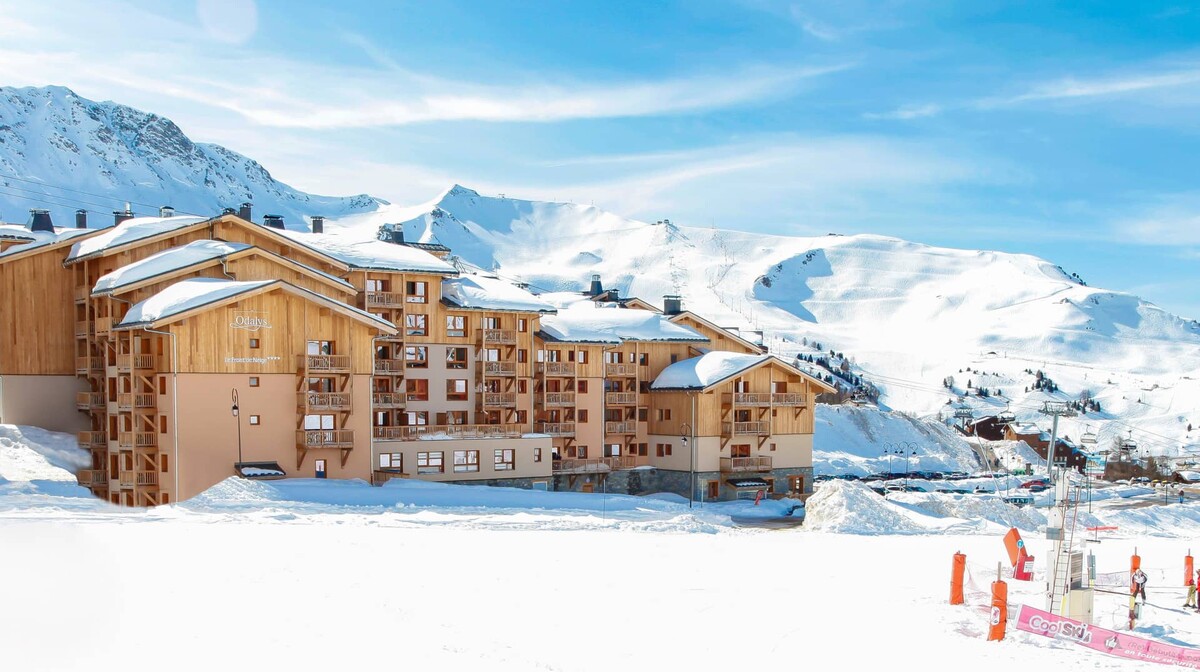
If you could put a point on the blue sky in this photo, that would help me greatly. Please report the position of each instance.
(1068, 131)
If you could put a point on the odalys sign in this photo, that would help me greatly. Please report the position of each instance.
(1104, 640)
(250, 320)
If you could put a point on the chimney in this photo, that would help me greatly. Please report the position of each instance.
(273, 221)
(166, 211)
(244, 211)
(39, 220)
(398, 234)
(81, 219)
(672, 304)
(122, 215)
(596, 288)
(318, 224)
(228, 211)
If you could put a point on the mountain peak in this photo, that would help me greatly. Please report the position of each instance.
(461, 192)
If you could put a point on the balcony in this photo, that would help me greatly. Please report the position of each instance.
(498, 399)
(557, 369)
(562, 429)
(788, 399)
(498, 336)
(140, 479)
(104, 325)
(434, 432)
(620, 398)
(90, 478)
(736, 464)
(323, 401)
(389, 367)
(82, 293)
(88, 400)
(130, 440)
(83, 329)
(499, 368)
(325, 438)
(127, 363)
(627, 427)
(560, 399)
(324, 363)
(388, 399)
(87, 365)
(127, 401)
(620, 370)
(599, 464)
(761, 399)
(756, 428)
(93, 440)
(385, 300)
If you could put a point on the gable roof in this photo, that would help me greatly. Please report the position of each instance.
(722, 330)
(42, 241)
(127, 233)
(371, 254)
(482, 292)
(714, 368)
(199, 294)
(588, 322)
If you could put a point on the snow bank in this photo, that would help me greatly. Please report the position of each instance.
(31, 453)
(852, 440)
(853, 508)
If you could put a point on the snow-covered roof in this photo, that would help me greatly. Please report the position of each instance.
(708, 369)
(166, 261)
(487, 293)
(588, 322)
(371, 254)
(15, 232)
(129, 231)
(43, 239)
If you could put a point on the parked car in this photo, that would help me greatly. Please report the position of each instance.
(1019, 500)
(1140, 479)
(1036, 481)
(1038, 487)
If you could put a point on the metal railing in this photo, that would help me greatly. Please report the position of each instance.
(565, 369)
(417, 432)
(594, 464)
(620, 398)
(324, 362)
(612, 370)
(389, 399)
(620, 427)
(325, 438)
(498, 336)
(758, 427)
(324, 401)
(557, 428)
(560, 398)
(760, 463)
(499, 368)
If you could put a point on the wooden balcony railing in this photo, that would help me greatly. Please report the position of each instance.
(557, 428)
(389, 366)
(498, 336)
(498, 399)
(732, 464)
(126, 363)
(83, 328)
(82, 293)
(763, 399)
(620, 398)
(127, 401)
(418, 432)
(629, 427)
(88, 400)
(128, 440)
(86, 365)
(92, 477)
(88, 440)
(129, 479)
(325, 438)
(330, 363)
(560, 398)
(561, 369)
(759, 428)
(104, 325)
(147, 478)
(389, 399)
(620, 370)
(570, 465)
(788, 399)
(385, 300)
(499, 368)
(323, 401)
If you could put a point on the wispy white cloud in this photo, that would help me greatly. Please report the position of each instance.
(1072, 88)
(905, 112)
(1171, 220)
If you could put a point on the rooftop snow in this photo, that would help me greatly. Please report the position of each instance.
(371, 254)
(42, 239)
(15, 231)
(698, 373)
(186, 295)
(129, 231)
(166, 261)
(588, 322)
(488, 293)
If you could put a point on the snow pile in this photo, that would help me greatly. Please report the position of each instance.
(707, 369)
(30, 454)
(852, 508)
(488, 293)
(186, 295)
(39, 239)
(853, 440)
(589, 322)
(166, 261)
(129, 231)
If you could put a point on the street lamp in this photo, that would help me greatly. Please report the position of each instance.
(234, 410)
(691, 461)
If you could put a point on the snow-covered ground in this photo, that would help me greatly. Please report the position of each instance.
(316, 575)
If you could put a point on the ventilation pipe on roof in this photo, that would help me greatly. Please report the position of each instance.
(81, 219)
(318, 224)
(39, 220)
(273, 221)
(672, 304)
(597, 288)
(228, 211)
(122, 215)
(166, 211)
(245, 210)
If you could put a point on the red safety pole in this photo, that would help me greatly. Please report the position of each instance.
(999, 608)
(956, 578)
(1189, 570)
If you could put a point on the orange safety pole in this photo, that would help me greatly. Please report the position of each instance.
(1135, 562)
(956, 578)
(999, 611)
(1189, 570)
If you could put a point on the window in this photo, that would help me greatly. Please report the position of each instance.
(414, 324)
(391, 460)
(643, 414)
(429, 463)
(489, 322)
(714, 490)
(522, 325)
(254, 344)
(505, 459)
(522, 417)
(162, 384)
(162, 424)
(466, 460)
(581, 386)
(643, 359)
(643, 449)
(255, 420)
(320, 348)
(674, 358)
(456, 389)
(582, 452)
(416, 418)
(312, 422)
(658, 450)
(664, 414)
(416, 292)
(522, 386)
(456, 358)
(416, 356)
(162, 463)
(583, 415)
(522, 355)
(454, 418)
(772, 447)
(582, 358)
(417, 389)
(253, 381)
(537, 454)
(456, 325)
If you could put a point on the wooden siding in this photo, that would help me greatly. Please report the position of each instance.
(37, 315)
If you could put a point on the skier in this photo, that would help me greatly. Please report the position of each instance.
(1139, 584)
(1191, 596)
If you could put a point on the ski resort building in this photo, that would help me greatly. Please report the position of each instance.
(184, 350)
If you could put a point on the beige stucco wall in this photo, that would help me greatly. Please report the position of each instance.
(524, 447)
(208, 441)
(42, 401)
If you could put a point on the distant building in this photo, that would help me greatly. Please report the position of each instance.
(1065, 451)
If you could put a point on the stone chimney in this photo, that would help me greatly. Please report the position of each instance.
(39, 220)
(273, 221)
(672, 304)
(166, 211)
(245, 211)
(318, 224)
(81, 219)
(596, 288)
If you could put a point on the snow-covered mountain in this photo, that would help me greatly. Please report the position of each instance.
(63, 152)
(904, 316)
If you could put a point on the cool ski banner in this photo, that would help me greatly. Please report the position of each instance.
(1107, 641)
